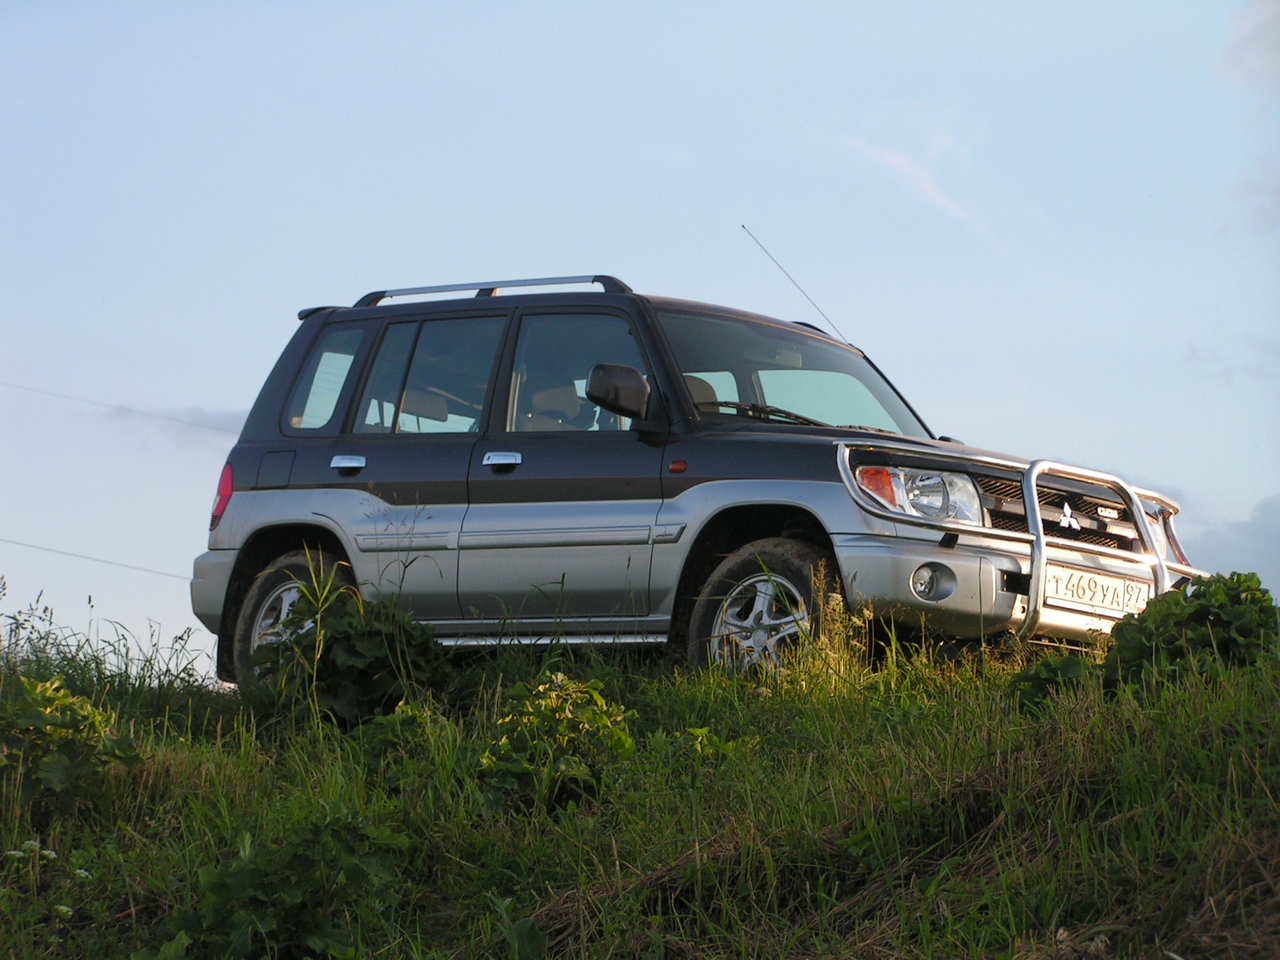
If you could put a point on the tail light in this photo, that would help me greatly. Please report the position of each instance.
(223, 497)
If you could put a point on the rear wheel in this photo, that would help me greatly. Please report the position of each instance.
(270, 600)
(758, 603)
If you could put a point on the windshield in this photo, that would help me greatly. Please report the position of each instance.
(743, 368)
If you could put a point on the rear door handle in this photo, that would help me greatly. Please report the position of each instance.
(502, 458)
(347, 461)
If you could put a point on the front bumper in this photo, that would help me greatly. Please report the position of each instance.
(999, 575)
(876, 572)
(211, 573)
(988, 592)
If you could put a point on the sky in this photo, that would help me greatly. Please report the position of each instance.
(1055, 227)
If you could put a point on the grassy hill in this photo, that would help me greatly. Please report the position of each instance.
(568, 804)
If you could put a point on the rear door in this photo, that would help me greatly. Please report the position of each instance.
(564, 495)
(405, 453)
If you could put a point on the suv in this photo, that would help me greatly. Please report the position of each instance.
(614, 468)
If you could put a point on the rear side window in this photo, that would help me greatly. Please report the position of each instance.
(430, 377)
(376, 412)
(315, 396)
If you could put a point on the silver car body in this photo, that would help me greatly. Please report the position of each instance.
(626, 559)
(532, 568)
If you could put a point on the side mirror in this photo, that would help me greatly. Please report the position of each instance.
(619, 389)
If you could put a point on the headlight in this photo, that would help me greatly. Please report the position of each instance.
(933, 494)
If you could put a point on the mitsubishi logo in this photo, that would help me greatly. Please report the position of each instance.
(1067, 521)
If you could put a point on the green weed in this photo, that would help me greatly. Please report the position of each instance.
(346, 658)
(905, 806)
(1216, 620)
(308, 895)
(54, 748)
(552, 745)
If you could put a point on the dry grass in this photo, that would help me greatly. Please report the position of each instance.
(906, 808)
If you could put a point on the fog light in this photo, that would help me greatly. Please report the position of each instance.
(933, 582)
(922, 582)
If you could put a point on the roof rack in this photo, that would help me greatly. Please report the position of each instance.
(308, 311)
(491, 287)
(811, 326)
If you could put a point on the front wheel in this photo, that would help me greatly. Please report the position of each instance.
(757, 604)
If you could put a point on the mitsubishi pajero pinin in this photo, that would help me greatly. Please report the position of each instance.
(605, 467)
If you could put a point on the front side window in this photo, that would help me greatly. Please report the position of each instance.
(741, 368)
(315, 396)
(553, 362)
(430, 377)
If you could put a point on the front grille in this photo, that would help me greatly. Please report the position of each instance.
(1002, 497)
(1005, 521)
(1097, 538)
(1009, 521)
(1000, 487)
(1010, 491)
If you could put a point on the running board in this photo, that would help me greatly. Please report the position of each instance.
(571, 640)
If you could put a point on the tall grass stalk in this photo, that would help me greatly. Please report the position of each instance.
(900, 803)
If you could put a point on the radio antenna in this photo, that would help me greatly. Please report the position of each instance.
(794, 283)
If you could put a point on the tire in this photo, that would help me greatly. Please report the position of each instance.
(267, 602)
(765, 590)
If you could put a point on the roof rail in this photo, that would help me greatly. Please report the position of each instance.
(491, 287)
(308, 311)
(813, 326)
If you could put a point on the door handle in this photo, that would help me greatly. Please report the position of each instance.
(347, 461)
(502, 458)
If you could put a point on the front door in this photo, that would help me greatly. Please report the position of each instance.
(564, 494)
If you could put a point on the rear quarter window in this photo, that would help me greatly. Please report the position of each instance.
(313, 405)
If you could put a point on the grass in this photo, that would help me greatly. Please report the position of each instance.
(831, 809)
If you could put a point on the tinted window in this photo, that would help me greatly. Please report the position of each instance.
(315, 396)
(784, 367)
(442, 388)
(553, 362)
(376, 412)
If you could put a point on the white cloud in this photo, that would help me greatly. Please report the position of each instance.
(1252, 545)
(220, 421)
(1262, 196)
(1229, 360)
(224, 421)
(1252, 56)
(1253, 53)
(913, 174)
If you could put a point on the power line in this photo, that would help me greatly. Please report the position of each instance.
(85, 556)
(115, 406)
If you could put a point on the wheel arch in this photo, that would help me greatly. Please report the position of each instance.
(261, 547)
(732, 527)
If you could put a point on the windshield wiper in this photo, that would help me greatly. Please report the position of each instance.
(860, 426)
(764, 411)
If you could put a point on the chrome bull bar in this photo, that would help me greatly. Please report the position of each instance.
(1155, 566)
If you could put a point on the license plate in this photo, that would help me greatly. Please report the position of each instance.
(1094, 592)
